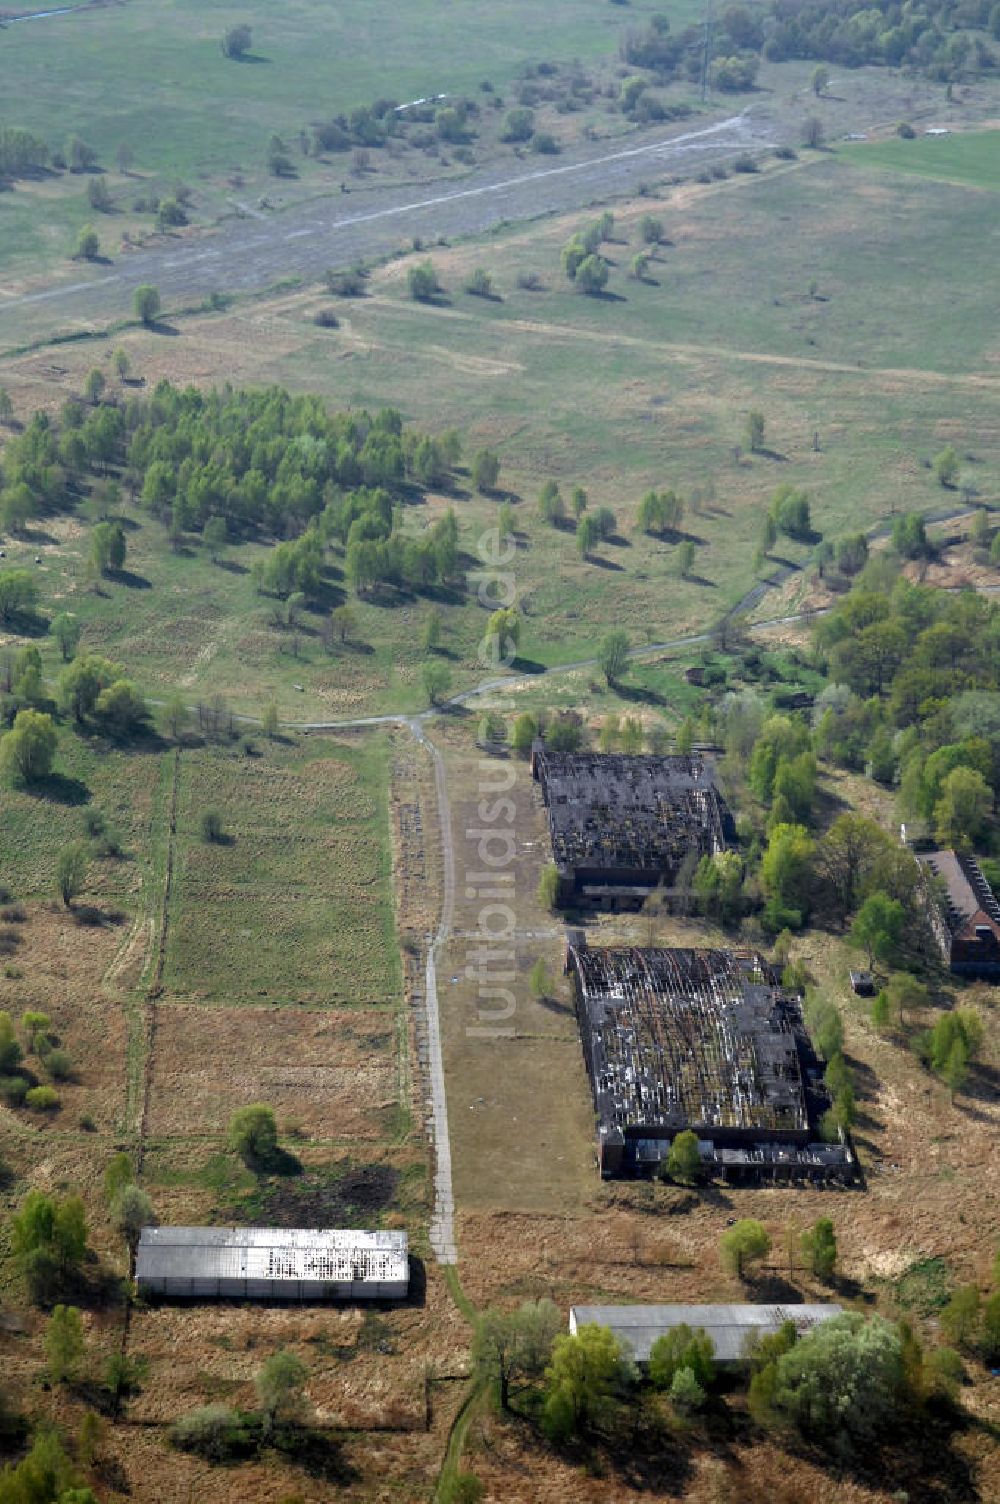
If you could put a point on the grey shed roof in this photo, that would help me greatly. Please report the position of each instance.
(271, 1253)
(727, 1326)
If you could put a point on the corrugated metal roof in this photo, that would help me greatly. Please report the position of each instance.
(728, 1326)
(271, 1253)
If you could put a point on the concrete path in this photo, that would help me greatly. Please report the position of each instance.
(247, 255)
(442, 1230)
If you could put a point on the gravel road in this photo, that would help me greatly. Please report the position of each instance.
(248, 255)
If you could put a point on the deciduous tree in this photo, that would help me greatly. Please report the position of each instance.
(146, 303)
(513, 1347)
(586, 1377)
(281, 1390)
(63, 1343)
(71, 871)
(684, 1159)
(253, 1134)
(613, 656)
(745, 1243)
(819, 1244)
(66, 631)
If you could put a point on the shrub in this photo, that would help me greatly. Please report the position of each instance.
(13, 1090)
(745, 1242)
(518, 126)
(479, 284)
(422, 282)
(146, 302)
(215, 1432)
(745, 163)
(843, 1381)
(548, 887)
(42, 1099)
(88, 246)
(59, 1064)
(686, 1394)
(253, 1134)
(325, 318)
(349, 284)
(236, 42)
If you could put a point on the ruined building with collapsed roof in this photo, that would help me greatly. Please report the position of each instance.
(706, 1040)
(622, 826)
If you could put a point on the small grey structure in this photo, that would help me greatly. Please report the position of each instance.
(731, 1328)
(272, 1263)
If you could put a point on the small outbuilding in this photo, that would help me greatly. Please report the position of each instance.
(272, 1263)
(863, 983)
(731, 1329)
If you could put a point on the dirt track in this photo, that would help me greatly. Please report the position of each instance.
(251, 254)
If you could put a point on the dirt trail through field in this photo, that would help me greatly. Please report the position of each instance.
(977, 380)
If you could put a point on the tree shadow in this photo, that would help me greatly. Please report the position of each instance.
(58, 788)
(527, 666)
(553, 1005)
(37, 535)
(639, 694)
(774, 1289)
(699, 579)
(600, 562)
(278, 1162)
(915, 1460)
(129, 580)
(318, 1454)
(252, 59)
(91, 917)
(25, 624)
(160, 326)
(851, 1289)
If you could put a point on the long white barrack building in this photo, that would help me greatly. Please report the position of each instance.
(272, 1263)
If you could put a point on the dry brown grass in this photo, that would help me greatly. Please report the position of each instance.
(324, 1070)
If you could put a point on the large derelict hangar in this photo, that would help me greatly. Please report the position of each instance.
(622, 826)
(705, 1040)
(272, 1263)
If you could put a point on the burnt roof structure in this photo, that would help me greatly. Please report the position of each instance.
(623, 825)
(705, 1040)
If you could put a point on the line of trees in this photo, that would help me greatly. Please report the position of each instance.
(940, 40)
(843, 1385)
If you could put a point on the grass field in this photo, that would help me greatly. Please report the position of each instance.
(294, 907)
(282, 984)
(158, 82)
(125, 73)
(971, 159)
(790, 291)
